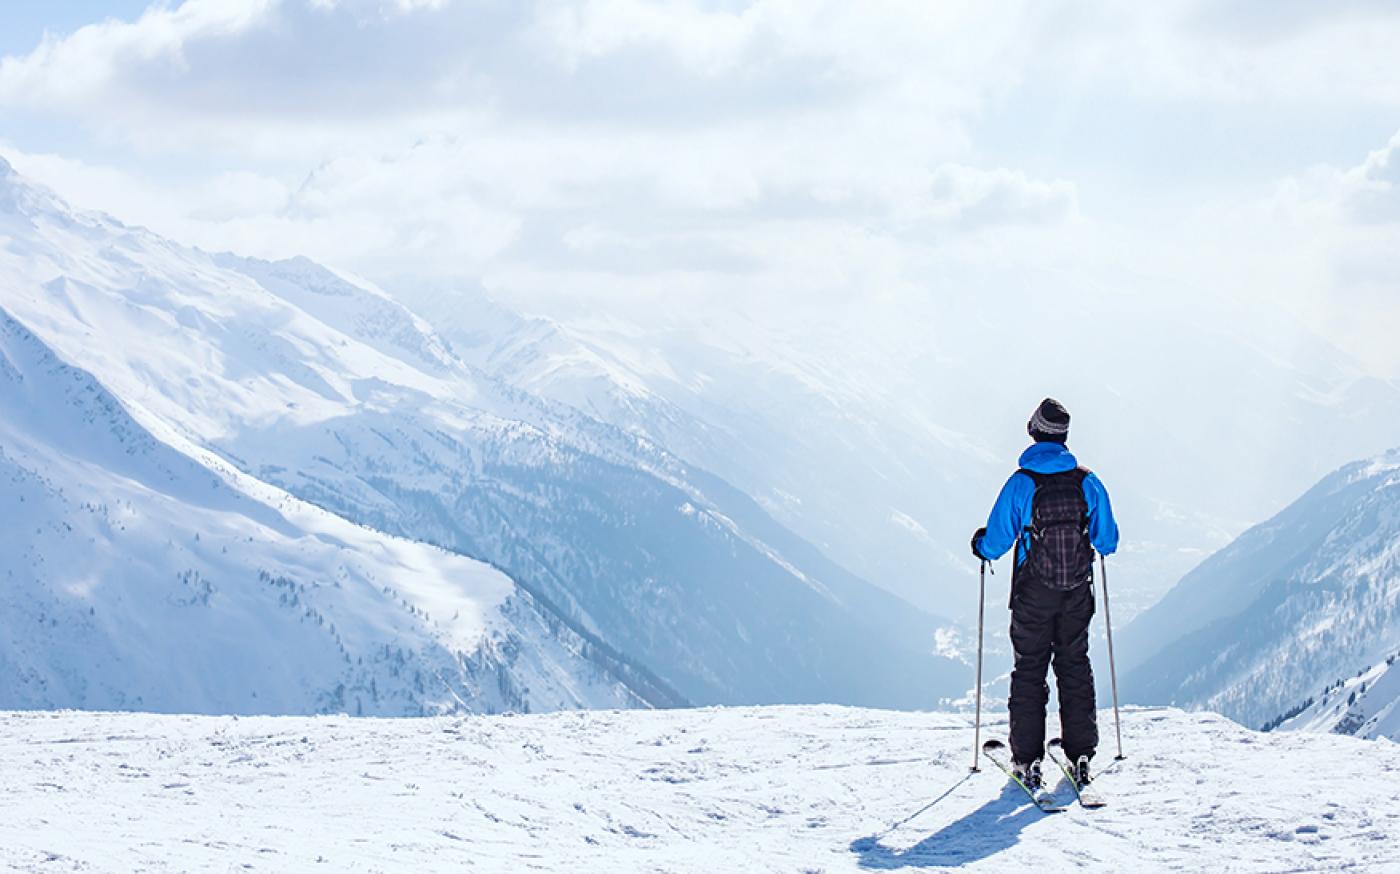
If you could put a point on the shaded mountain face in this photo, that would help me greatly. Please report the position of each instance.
(1310, 595)
(138, 576)
(322, 386)
(854, 468)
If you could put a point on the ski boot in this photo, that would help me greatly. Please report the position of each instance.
(1029, 775)
(1081, 772)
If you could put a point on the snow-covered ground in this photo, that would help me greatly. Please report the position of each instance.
(759, 789)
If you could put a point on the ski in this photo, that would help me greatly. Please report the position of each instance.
(997, 753)
(1088, 796)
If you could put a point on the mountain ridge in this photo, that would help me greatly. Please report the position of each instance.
(332, 392)
(1310, 594)
(152, 578)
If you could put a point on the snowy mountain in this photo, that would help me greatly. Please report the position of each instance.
(752, 789)
(1366, 705)
(882, 437)
(859, 472)
(137, 576)
(1311, 595)
(321, 386)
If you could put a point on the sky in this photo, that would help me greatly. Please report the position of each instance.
(573, 156)
(26, 21)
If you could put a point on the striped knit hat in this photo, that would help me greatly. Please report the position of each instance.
(1049, 422)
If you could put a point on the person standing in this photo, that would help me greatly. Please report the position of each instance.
(1056, 514)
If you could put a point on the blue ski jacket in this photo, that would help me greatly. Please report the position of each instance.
(1012, 513)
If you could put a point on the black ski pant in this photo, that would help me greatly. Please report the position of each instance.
(1051, 627)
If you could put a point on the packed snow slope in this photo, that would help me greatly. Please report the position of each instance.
(782, 789)
(1310, 596)
(329, 390)
(135, 576)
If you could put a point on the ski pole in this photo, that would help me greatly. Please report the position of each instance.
(1112, 668)
(981, 611)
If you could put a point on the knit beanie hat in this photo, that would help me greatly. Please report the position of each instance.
(1050, 422)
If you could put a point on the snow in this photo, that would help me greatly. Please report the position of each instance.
(1379, 712)
(757, 789)
(1366, 705)
(150, 574)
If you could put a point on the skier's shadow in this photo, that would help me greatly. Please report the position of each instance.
(986, 831)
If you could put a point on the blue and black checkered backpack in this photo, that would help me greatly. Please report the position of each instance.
(1058, 552)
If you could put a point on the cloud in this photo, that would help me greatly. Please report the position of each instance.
(998, 196)
(297, 65)
(349, 214)
(1320, 245)
(84, 67)
(1284, 18)
(774, 149)
(487, 137)
(710, 42)
(1233, 52)
(1372, 190)
(1345, 197)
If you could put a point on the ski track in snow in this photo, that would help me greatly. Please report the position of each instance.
(800, 789)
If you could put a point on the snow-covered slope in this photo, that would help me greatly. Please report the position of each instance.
(139, 577)
(324, 387)
(1366, 705)
(1309, 596)
(752, 790)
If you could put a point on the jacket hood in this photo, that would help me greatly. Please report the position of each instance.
(1048, 458)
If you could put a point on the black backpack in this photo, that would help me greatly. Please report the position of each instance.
(1058, 552)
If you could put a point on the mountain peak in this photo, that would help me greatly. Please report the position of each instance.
(21, 194)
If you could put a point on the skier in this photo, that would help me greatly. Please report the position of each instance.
(1056, 513)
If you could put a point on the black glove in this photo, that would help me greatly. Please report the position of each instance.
(977, 541)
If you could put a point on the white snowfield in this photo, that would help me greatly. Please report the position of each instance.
(733, 790)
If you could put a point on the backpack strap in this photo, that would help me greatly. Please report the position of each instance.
(1081, 473)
